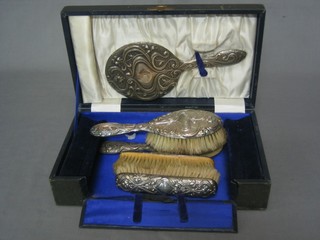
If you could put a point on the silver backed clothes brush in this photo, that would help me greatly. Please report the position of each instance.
(147, 71)
(166, 174)
(188, 131)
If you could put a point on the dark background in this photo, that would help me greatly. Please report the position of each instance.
(37, 105)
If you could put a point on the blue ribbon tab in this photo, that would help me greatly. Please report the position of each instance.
(203, 72)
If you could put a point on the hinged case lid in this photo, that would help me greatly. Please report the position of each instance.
(94, 33)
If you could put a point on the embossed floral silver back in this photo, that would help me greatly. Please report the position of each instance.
(186, 123)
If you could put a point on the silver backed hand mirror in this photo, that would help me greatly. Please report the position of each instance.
(147, 71)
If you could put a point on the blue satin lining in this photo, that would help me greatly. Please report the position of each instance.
(156, 215)
(104, 209)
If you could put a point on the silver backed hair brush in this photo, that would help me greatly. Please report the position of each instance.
(188, 132)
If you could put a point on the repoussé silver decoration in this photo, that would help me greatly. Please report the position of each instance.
(119, 147)
(181, 124)
(147, 71)
(144, 183)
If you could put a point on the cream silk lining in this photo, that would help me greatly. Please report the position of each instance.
(96, 38)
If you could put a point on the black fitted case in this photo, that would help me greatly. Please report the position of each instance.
(249, 183)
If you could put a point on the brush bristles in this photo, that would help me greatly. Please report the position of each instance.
(189, 146)
(166, 165)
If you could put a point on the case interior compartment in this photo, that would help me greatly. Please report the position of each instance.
(105, 192)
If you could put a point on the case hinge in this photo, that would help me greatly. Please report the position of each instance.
(160, 8)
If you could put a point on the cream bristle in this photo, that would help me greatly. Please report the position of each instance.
(189, 146)
(166, 165)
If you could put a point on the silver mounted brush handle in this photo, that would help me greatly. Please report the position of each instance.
(144, 183)
(113, 129)
(119, 147)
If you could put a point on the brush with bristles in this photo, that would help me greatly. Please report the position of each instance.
(187, 132)
(167, 174)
